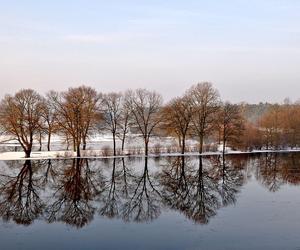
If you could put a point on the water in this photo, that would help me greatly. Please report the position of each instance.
(241, 202)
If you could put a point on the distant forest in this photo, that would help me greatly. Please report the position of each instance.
(199, 114)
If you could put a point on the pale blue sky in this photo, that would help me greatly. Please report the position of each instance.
(250, 50)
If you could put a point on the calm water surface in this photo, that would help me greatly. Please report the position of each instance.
(240, 202)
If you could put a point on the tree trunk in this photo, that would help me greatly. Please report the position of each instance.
(68, 142)
(200, 144)
(123, 142)
(183, 145)
(84, 143)
(146, 147)
(27, 153)
(49, 140)
(78, 150)
(224, 147)
(179, 141)
(40, 142)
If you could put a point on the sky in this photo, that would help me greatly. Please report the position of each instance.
(249, 50)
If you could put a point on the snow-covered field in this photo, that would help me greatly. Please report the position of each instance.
(98, 154)
(11, 150)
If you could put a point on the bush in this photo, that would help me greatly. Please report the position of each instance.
(106, 151)
(157, 149)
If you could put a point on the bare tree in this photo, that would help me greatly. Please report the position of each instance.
(20, 117)
(145, 106)
(112, 104)
(124, 122)
(77, 111)
(206, 101)
(177, 118)
(40, 135)
(49, 116)
(291, 124)
(231, 124)
(91, 112)
(271, 126)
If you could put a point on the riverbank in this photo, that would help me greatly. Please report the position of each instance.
(98, 154)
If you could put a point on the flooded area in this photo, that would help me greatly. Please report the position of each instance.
(239, 202)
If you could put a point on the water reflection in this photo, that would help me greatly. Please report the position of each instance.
(135, 190)
(275, 171)
(230, 177)
(74, 190)
(144, 200)
(199, 190)
(20, 200)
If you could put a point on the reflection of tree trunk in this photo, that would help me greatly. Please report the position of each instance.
(200, 193)
(114, 142)
(125, 177)
(223, 168)
(113, 182)
(146, 147)
(200, 164)
(77, 180)
(182, 177)
(224, 140)
(48, 170)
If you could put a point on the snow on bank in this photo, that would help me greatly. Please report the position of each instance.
(34, 155)
(40, 155)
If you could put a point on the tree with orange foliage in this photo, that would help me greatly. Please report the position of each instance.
(20, 117)
(177, 116)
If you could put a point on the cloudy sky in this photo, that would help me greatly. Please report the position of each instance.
(250, 50)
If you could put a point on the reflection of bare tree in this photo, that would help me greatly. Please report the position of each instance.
(143, 203)
(49, 171)
(20, 200)
(275, 171)
(74, 194)
(229, 176)
(290, 170)
(204, 200)
(190, 189)
(199, 190)
(175, 183)
(269, 172)
(124, 173)
(111, 197)
(75, 189)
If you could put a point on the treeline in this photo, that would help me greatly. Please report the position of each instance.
(278, 127)
(79, 113)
